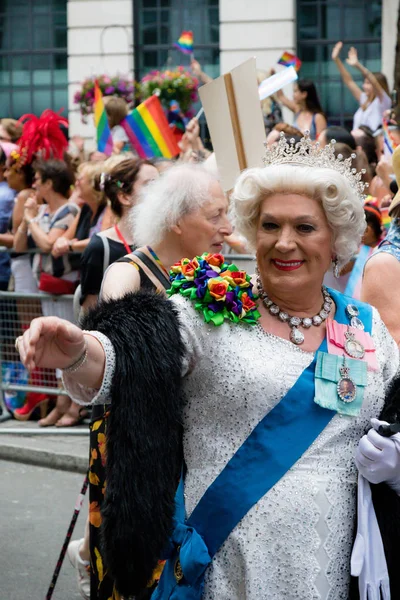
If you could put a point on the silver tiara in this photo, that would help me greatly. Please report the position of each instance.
(305, 153)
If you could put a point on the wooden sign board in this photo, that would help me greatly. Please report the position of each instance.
(234, 117)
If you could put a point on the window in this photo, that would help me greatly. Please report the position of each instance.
(320, 24)
(33, 56)
(159, 23)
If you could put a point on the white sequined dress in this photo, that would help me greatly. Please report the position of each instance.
(295, 544)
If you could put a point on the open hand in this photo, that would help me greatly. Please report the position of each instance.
(51, 343)
(196, 67)
(352, 57)
(336, 50)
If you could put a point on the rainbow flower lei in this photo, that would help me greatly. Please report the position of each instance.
(219, 290)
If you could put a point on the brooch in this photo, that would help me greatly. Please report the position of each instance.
(353, 312)
(353, 347)
(346, 388)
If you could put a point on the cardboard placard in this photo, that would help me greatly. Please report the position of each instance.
(234, 117)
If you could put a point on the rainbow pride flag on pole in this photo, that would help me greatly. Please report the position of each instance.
(290, 60)
(148, 130)
(185, 42)
(104, 138)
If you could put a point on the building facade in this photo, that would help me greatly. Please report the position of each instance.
(47, 47)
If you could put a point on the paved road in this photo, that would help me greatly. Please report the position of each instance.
(36, 506)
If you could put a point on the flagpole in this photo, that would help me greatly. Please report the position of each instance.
(199, 113)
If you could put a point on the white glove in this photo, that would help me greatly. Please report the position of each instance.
(368, 561)
(378, 458)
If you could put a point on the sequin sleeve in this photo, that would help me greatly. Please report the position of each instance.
(84, 395)
(193, 330)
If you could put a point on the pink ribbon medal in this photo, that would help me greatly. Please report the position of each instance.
(347, 340)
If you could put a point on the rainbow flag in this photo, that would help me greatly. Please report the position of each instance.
(387, 138)
(290, 60)
(104, 138)
(386, 220)
(148, 130)
(185, 42)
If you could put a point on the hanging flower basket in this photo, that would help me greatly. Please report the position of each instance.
(119, 86)
(178, 85)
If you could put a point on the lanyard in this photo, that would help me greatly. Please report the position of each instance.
(123, 240)
(158, 261)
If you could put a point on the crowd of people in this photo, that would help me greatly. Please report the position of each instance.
(195, 372)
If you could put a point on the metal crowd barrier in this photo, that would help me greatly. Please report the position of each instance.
(17, 310)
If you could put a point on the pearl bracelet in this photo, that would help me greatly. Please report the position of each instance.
(79, 362)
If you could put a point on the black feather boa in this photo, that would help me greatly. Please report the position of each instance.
(144, 441)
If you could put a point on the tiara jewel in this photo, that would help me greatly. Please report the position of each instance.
(305, 153)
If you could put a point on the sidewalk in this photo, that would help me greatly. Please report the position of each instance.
(56, 451)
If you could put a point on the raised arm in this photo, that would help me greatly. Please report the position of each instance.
(18, 211)
(320, 123)
(346, 77)
(282, 99)
(352, 60)
(198, 71)
(21, 237)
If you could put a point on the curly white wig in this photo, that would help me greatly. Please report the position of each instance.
(342, 205)
(180, 190)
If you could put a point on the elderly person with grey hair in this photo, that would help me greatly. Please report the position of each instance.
(278, 394)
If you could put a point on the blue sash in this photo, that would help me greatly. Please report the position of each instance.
(274, 446)
(357, 270)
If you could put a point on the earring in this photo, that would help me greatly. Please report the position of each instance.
(336, 270)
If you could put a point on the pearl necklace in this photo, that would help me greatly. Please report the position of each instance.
(296, 336)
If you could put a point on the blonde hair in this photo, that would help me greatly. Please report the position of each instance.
(93, 170)
(342, 206)
(266, 104)
(116, 109)
(13, 128)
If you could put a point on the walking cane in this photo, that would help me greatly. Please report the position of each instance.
(71, 528)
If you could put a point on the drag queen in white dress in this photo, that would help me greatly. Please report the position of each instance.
(301, 212)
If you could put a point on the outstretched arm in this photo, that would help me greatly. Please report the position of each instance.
(53, 343)
(346, 77)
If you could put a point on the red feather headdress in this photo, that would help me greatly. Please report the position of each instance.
(42, 136)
